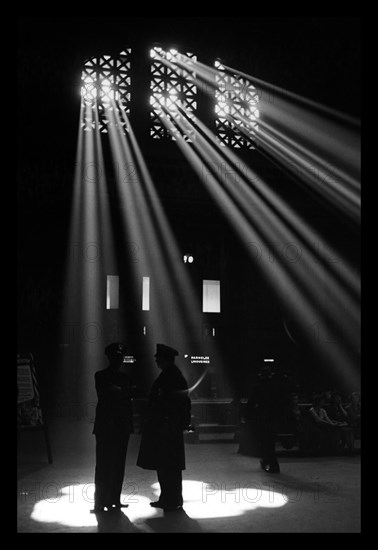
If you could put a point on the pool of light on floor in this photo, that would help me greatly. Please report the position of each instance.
(71, 506)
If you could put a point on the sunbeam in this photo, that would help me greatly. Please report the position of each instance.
(263, 221)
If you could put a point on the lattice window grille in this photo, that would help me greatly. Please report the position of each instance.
(105, 81)
(172, 87)
(235, 95)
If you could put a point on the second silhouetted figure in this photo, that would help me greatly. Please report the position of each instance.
(168, 415)
(264, 406)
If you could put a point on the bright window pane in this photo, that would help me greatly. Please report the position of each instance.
(236, 108)
(106, 91)
(172, 88)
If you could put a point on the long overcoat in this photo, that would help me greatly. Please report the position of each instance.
(167, 416)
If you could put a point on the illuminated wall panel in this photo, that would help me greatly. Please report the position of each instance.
(211, 296)
(112, 292)
(146, 294)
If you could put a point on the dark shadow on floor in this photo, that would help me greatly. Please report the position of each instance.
(174, 522)
(115, 521)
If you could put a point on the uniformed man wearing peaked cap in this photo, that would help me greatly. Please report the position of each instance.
(165, 351)
(112, 428)
(168, 415)
(116, 348)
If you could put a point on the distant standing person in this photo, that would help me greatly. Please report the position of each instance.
(168, 415)
(112, 428)
(264, 406)
(324, 433)
(354, 413)
(338, 414)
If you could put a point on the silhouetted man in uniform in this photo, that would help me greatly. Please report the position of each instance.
(112, 428)
(264, 406)
(168, 415)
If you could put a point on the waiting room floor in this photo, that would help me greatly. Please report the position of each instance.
(224, 491)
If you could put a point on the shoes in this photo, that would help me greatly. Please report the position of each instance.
(166, 508)
(97, 510)
(157, 504)
(108, 507)
(117, 506)
(269, 468)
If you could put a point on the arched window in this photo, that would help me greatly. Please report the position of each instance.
(236, 109)
(105, 87)
(106, 94)
(173, 93)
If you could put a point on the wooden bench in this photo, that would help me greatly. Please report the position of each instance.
(211, 429)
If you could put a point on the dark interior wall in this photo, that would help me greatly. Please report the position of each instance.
(316, 57)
